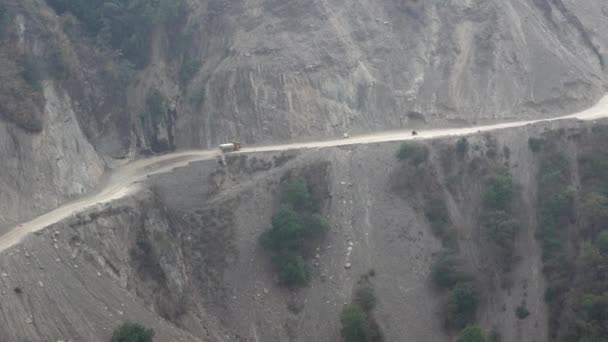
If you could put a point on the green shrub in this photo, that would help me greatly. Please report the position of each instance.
(462, 306)
(501, 229)
(499, 191)
(535, 144)
(437, 214)
(593, 212)
(130, 332)
(286, 233)
(295, 271)
(415, 153)
(355, 327)
(522, 311)
(448, 270)
(298, 196)
(592, 322)
(294, 227)
(471, 334)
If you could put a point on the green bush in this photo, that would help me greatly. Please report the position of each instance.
(448, 270)
(471, 334)
(499, 191)
(415, 153)
(522, 311)
(294, 227)
(501, 229)
(130, 332)
(462, 306)
(295, 271)
(437, 214)
(298, 196)
(593, 212)
(535, 144)
(355, 327)
(592, 322)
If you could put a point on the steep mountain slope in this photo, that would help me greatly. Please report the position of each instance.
(272, 71)
(187, 249)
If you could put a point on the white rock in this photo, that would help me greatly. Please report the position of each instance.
(347, 265)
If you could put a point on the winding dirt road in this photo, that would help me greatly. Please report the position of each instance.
(125, 179)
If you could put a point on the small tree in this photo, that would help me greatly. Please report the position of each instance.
(472, 334)
(355, 327)
(417, 154)
(499, 192)
(295, 271)
(132, 332)
(448, 270)
(535, 144)
(594, 211)
(602, 242)
(522, 311)
(463, 303)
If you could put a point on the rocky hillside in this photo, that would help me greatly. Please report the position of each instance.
(84, 83)
(183, 254)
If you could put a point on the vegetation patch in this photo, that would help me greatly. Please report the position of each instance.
(357, 319)
(462, 306)
(295, 227)
(448, 271)
(414, 153)
(497, 221)
(132, 332)
(522, 311)
(472, 334)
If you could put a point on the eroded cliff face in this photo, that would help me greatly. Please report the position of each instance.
(268, 71)
(262, 71)
(187, 249)
(44, 169)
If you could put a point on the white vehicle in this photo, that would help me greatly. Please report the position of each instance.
(230, 147)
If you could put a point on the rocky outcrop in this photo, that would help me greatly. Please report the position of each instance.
(42, 170)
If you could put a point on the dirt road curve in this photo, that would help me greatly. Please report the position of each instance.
(124, 179)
